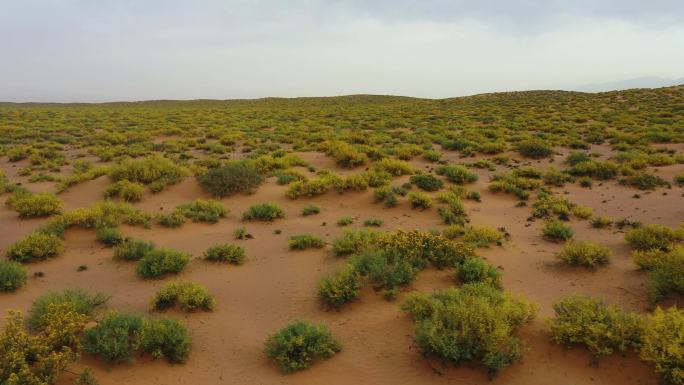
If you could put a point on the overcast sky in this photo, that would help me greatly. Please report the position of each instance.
(104, 50)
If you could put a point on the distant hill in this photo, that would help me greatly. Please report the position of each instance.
(641, 82)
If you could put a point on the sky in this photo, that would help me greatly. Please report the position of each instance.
(109, 50)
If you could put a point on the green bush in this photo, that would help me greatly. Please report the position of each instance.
(109, 236)
(156, 263)
(662, 343)
(653, 237)
(373, 222)
(234, 177)
(202, 210)
(598, 170)
(426, 182)
(553, 177)
(387, 269)
(419, 201)
(76, 300)
(474, 323)
(34, 205)
(132, 249)
(585, 253)
(155, 171)
(534, 148)
(310, 210)
(86, 377)
(345, 220)
(298, 344)
(12, 276)
(37, 246)
(644, 181)
(481, 236)
(589, 322)
(353, 242)
(343, 287)
(225, 253)
(476, 270)
(263, 212)
(601, 222)
(457, 174)
(665, 269)
(172, 219)
(189, 295)
(165, 338)
(556, 231)
(125, 190)
(305, 241)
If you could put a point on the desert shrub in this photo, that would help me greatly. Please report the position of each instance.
(387, 268)
(653, 237)
(155, 171)
(432, 155)
(476, 270)
(481, 236)
(125, 190)
(305, 241)
(391, 201)
(12, 276)
(679, 180)
(115, 337)
(585, 253)
(86, 377)
(601, 222)
(457, 174)
(516, 183)
(172, 219)
(589, 322)
(298, 344)
(582, 212)
(662, 341)
(344, 154)
(665, 269)
(156, 263)
(132, 249)
(555, 230)
(644, 181)
(263, 212)
(548, 205)
(598, 170)
(585, 181)
(165, 338)
(419, 200)
(110, 236)
(189, 295)
(202, 210)
(476, 322)
(76, 300)
(353, 242)
(234, 177)
(242, 233)
(36, 246)
(310, 210)
(345, 220)
(101, 214)
(534, 148)
(553, 177)
(342, 287)
(373, 222)
(34, 205)
(474, 196)
(225, 253)
(394, 167)
(39, 358)
(426, 182)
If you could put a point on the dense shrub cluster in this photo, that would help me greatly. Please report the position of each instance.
(585, 253)
(263, 212)
(534, 148)
(474, 323)
(12, 276)
(556, 231)
(157, 263)
(78, 301)
(298, 344)
(234, 177)
(226, 254)
(125, 190)
(37, 246)
(132, 249)
(190, 296)
(457, 174)
(426, 182)
(157, 172)
(202, 210)
(305, 241)
(653, 237)
(34, 205)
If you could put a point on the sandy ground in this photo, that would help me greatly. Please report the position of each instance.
(276, 285)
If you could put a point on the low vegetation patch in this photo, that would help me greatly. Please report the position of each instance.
(203, 210)
(12, 276)
(78, 301)
(298, 344)
(157, 263)
(426, 182)
(189, 295)
(263, 212)
(305, 241)
(557, 231)
(125, 190)
(34, 205)
(648, 237)
(225, 253)
(585, 253)
(157, 172)
(132, 249)
(37, 246)
(234, 177)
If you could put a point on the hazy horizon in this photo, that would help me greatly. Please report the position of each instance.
(81, 51)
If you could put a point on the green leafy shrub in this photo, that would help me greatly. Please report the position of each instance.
(343, 287)
(555, 230)
(155, 171)
(457, 174)
(585, 253)
(132, 249)
(75, 300)
(234, 177)
(86, 377)
(598, 170)
(589, 322)
(203, 210)
(125, 190)
(12, 276)
(534, 148)
(305, 241)
(310, 210)
(426, 182)
(419, 200)
(172, 219)
(34, 205)
(481, 236)
(553, 177)
(298, 344)
(644, 181)
(353, 242)
(477, 270)
(474, 323)
(263, 212)
(345, 220)
(242, 233)
(156, 263)
(109, 236)
(601, 222)
(165, 338)
(189, 295)
(36, 246)
(373, 222)
(653, 237)
(225, 253)
(662, 341)
(344, 154)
